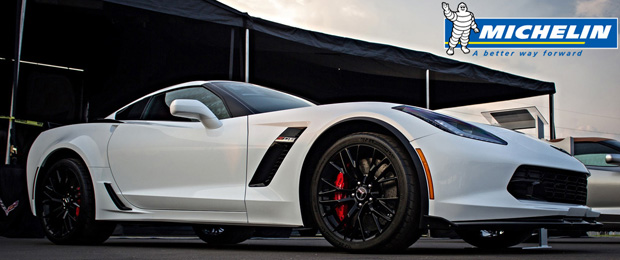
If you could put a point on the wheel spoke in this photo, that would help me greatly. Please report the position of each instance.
(362, 232)
(382, 171)
(376, 220)
(386, 207)
(58, 176)
(352, 211)
(336, 166)
(387, 179)
(329, 184)
(53, 198)
(335, 189)
(359, 221)
(383, 199)
(349, 199)
(344, 165)
(375, 212)
(350, 158)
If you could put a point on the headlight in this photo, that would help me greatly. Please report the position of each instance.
(452, 125)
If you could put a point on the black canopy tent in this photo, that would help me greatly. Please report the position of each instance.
(107, 53)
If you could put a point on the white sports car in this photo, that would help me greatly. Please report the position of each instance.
(228, 157)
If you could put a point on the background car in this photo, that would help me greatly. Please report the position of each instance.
(604, 184)
(228, 157)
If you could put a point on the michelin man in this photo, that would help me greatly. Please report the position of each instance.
(462, 21)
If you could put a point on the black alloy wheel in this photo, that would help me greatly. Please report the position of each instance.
(365, 194)
(65, 204)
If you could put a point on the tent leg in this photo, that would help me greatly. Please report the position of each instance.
(428, 90)
(247, 55)
(18, 51)
(551, 118)
(232, 54)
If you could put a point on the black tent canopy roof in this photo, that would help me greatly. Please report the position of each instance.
(452, 83)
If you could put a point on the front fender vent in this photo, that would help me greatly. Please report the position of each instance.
(274, 157)
(117, 201)
(549, 184)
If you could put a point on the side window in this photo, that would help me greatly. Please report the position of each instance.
(596, 159)
(593, 153)
(592, 148)
(159, 106)
(132, 112)
(157, 109)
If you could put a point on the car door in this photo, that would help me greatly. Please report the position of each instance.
(162, 162)
(604, 182)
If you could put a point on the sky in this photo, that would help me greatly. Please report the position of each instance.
(587, 102)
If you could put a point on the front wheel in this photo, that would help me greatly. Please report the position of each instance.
(494, 239)
(365, 194)
(65, 203)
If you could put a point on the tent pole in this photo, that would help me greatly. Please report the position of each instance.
(551, 118)
(232, 54)
(428, 90)
(17, 60)
(247, 55)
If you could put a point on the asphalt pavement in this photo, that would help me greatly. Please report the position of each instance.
(298, 248)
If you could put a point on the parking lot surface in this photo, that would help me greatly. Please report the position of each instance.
(294, 248)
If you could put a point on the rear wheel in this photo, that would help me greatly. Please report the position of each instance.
(494, 239)
(365, 194)
(223, 235)
(65, 203)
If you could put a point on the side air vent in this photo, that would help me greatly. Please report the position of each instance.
(274, 157)
(117, 201)
(548, 184)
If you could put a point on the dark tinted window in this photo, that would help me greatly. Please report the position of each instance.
(159, 107)
(595, 148)
(261, 99)
(132, 112)
(593, 153)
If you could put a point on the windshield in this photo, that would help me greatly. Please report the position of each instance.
(262, 99)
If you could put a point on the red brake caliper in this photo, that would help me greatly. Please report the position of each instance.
(77, 210)
(342, 208)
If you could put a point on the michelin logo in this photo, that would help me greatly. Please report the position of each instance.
(527, 33)
(462, 22)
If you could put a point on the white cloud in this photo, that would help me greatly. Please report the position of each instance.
(352, 10)
(594, 8)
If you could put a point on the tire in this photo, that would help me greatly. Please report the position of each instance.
(65, 204)
(494, 239)
(365, 196)
(223, 235)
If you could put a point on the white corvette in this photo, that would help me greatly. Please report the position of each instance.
(228, 157)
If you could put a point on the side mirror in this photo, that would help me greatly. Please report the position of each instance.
(613, 159)
(194, 109)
